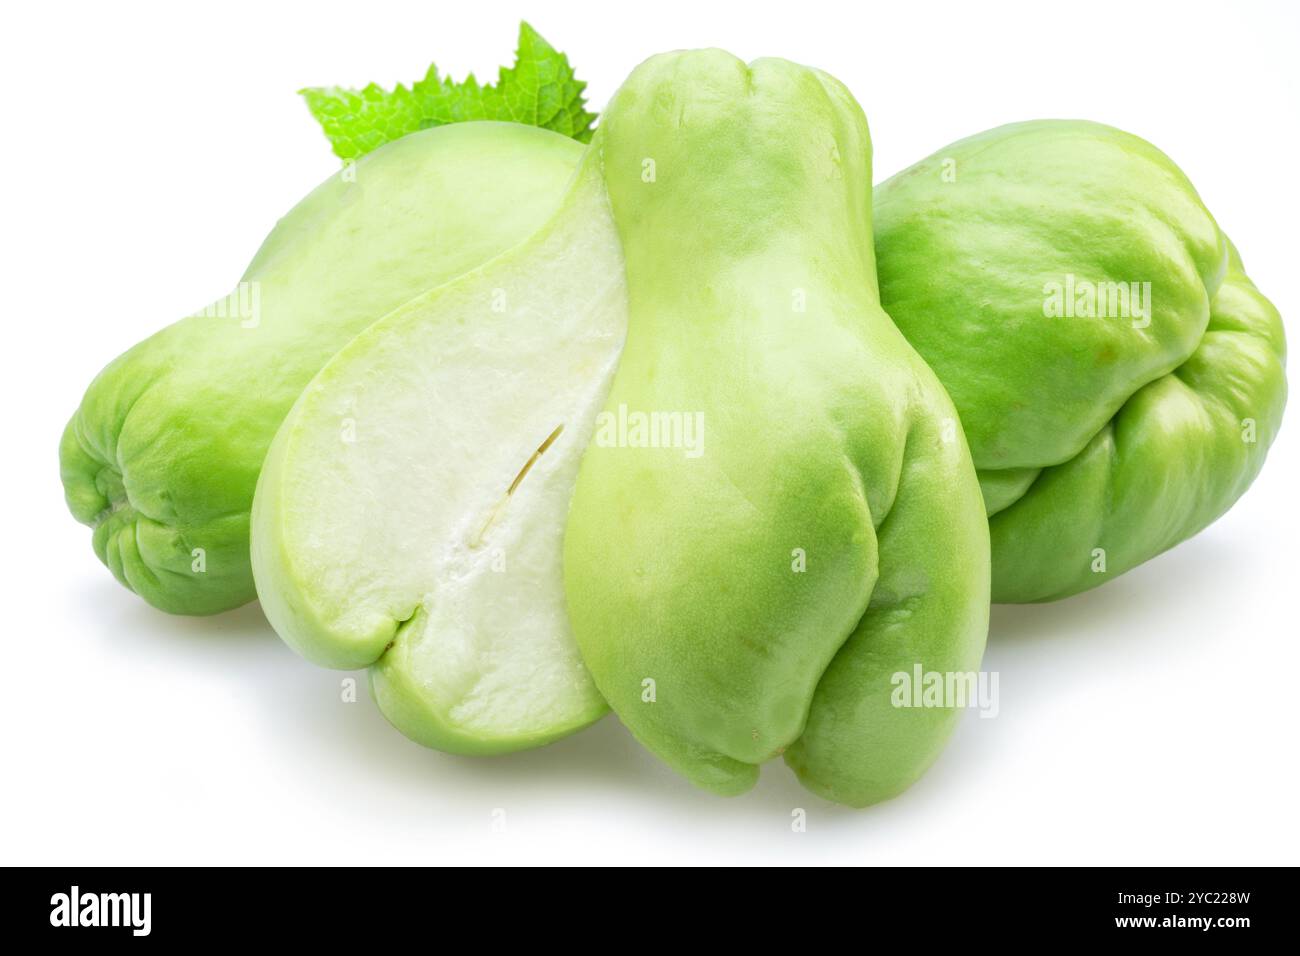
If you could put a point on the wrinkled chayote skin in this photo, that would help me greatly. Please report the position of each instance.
(162, 457)
(758, 598)
(1105, 431)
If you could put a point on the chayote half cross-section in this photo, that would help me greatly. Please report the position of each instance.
(762, 588)
(1118, 376)
(409, 515)
(162, 457)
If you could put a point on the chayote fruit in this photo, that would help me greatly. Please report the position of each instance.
(162, 457)
(1118, 376)
(410, 511)
(758, 591)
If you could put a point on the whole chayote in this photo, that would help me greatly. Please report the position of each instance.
(765, 596)
(1118, 376)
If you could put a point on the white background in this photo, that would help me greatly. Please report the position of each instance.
(146, 151)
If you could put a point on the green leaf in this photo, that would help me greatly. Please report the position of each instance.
(539, 90)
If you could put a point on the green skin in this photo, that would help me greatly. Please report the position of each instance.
(824, 436)
(1099, 443)
(163, 455)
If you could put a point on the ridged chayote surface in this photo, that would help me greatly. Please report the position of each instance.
(1103, 434)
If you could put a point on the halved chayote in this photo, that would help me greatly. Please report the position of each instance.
(409, 515)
